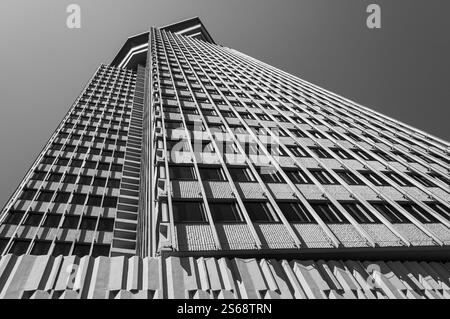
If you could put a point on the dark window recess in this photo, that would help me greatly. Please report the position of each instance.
(259, 211)
(110, 201)
(419, 213)
(19, 247)
(320, 152)
(324, 177)
(52, 220)
(88, 223)
(71, 221)
(38, 175)
(99, 181)
(33, 219)
(440, 209)
(70, 178)
(14, 217)
(54, 177)
(225, 212)
(105, 224)
(342, 153)
(390, 213)
(179, 172)
(61, 248)
(94, 200)
(269, 175)
(78, 199)
(296, 212)
(45, 196)
(422, 180)
(364, 155)
(62, 197)
(349, 178)
(241, 174)
(374, 178)
(400, 180)
(212, 174)
(298, 177)
(100, 250)
(3, 243)
(329, 213)
(189, 212)
(41, 248)
(112, 182)
(28, 194)
(360, 213)
(81, 250)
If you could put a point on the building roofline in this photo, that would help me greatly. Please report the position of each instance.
(177, 27)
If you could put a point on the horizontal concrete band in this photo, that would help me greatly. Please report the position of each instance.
(28, 276)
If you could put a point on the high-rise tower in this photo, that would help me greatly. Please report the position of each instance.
(188, 169)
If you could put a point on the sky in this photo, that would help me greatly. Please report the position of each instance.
(401, 70)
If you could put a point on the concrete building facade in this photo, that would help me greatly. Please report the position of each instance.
(186, 169)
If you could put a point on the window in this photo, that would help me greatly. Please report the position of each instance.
(14, 217)
(3, 243)
(105, 224)
(349, 178)
(419, 213)
(81, 250)
(112, 182)
(360, 213)
(99, 181)
(48, 159)
(188, 212)
(341, 153)
(390, 213)
(364, 155)
(71, 221)
(100, 250)
(19, 247)
(383, 155)
(298, 177)
(225, 212)
(52, 220)
(329, 213)
(440, 209)
(398, 179)
(40, 247)
(28, 194)
(212, 174)
(320, 152)
(88, 223)
(259, 211)
(324, 177)
(78, 199)
(270, 175)
(102, 166)
(45, 196)
(295, 212)
(54, 177)
(61, 248)
(116, 167)
(298, 151)
(33, 219)
(70, 178)
(422, 180)
(62, 197)
(94, 200)
(181, 172)
(109, 201)
(374, 178)
(39, 175)
(241, 174)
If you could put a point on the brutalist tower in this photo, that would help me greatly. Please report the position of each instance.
(186, 169)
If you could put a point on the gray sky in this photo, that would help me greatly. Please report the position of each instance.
(401, 70)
